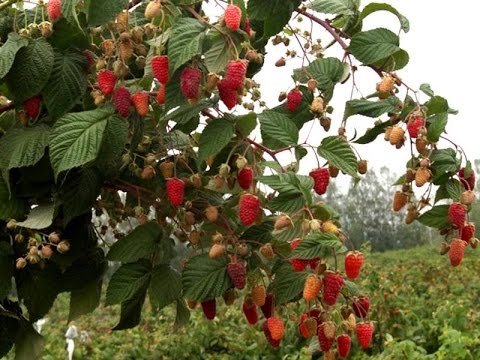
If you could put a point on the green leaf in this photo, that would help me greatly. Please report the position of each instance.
(204, 278)
(138, 244)
(127, 282)
(288, 284)
(436, 126)
(372, 133)
(29, 343)
(186, 112)
(318, 245)
(374, 45)
(166, 285)
(88, 267)
(12, 207)
(245, 124)
(454, 189)
(69, 12)
(66, 85)
(327, 72)
(373, 7)
(131, 310)
(100, 12)
(8, 51)
(39, 218)
(445, 160)
(85, 300)
(287, 203)
(261, 232)
(436, 217)
(217, 57)
(371, 108)
(114, 140)
(336, 7)
(394, 62)
(216, 135)
(185, 42)
(339, 153)
(427, 90)
(275, 13)
(76, 138)
(438, 104)
(31, 69)
(279, 127)
(6, 268)
(183, 315)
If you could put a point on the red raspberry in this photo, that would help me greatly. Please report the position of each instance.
(175, 191)
(276, 328)
(361, 306)
(297, 264)
(325, 342)
(321, 178)
(274, 343)
(313, 263)
(456, 252)
(140, 102)
(344, 342)
(353, 264)
(249, 209)
(235, 73)
(267, 308)
(468, 232)
(302, 327)
(332, 284)
(364, 334)
(294, 99)
(457, 213)
(106, 81)
(88, 55)
(190, 82)
(161, 94)
(32, 106)
(245, 177)
(54, 10)
(237, 273)
(227, 93)
(247, 27)
(468, 183)
(209, 308)
(414, 125)
(160, 68)
(121, 101)
(250, 311)
(233, 16)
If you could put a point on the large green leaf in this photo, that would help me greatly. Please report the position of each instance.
(374, 45)
(217, 57)
(165, 286)
(204, 278)
(137, 244)
(67, 83)
(372, 133)
(371, 108)
(183, 314)
(337, 7)
(275, 13)
(339, 153)
(6, 268)
(318, 245)
(84, 300)
(288, 284)
(445, 160)
(40, 217)
(186, 112)
(327, 72)
(12, 207)
(76, 138)
(393, 62)
(279, 127)
(8, 51)
(287, 203)
(99, 12)
(31, 69)
(185, 42)
(436, 126)
(69, 12)
(127, 281)
(436, 217)
(216, 135)
(29, 343)
(131, 309)
(373, 7)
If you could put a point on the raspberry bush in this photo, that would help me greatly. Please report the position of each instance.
(147, 115)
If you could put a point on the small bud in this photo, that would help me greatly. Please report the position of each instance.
(267, 251)
(467, 197)
(315, 224)
(362, 167)
(241, 162)
(444, 248)
(224, 170)
(148, 172)
(317, 106)
(211, 213)
(194, 237)
(217, 238)
(218, 182)
(283, 222)
(280, 62)
(166, 168)
(11, 224)
(333, 171)
(47, 251)
(325, 122)
(243, 250)
(312, 85)
(20, 263)
(63, 247)
(282, 96)
(216, 251)
(190, 218)
(19, 238)
(474, 243)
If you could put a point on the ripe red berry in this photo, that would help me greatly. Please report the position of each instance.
(294, 99)
(140, 102)
(250, 310)
(324, 341)
(321, 178)
(332, 284)
(249, 209)
(353, 264)
(246, 26)
(302, 327)
(175, 191)
(414, 125)
(297, 264)
(274, 343)
(245, 177)
(160, 68)
(267, 308)
(276, 328)
(364, 334)
(235, 73)
(32, 106)
(456, 252)
(190, 82)
(121, 101)
(457, 213)
(237, 273)
(233, 16)
(161, 94)
(468, 183)
(468, 232)
(361, 306)
(54, 10)
(209, 308)
(106, 81)
(344, 342)
(227, 93)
